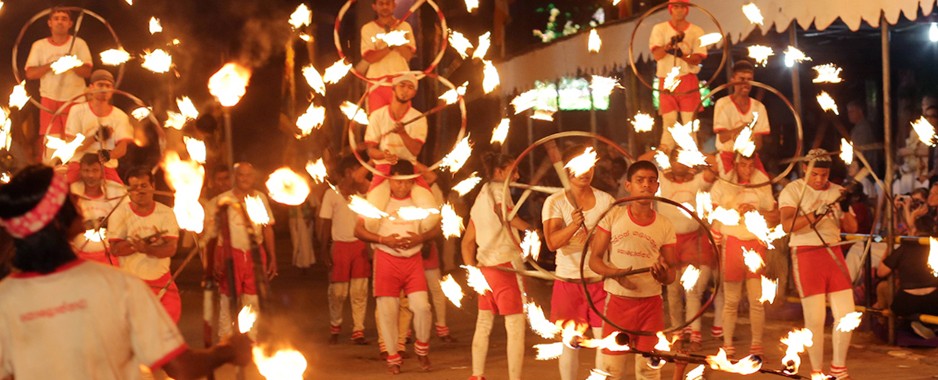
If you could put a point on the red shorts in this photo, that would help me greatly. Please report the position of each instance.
(73, 173)
(505, 297)
(49, 125)
(638, 314)
(729, 162)
(568, 303)
(349, 260)
(393, 274)
(171, 301)
(243, 271)
(687, 98)
(99, 257)
(379, 96)
(734, 269)
(816, 272)
(433, 260)
(694, 249)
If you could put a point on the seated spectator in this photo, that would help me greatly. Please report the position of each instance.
(916, 286)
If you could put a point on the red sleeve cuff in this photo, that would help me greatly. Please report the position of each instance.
(602, 229)
(169, 357)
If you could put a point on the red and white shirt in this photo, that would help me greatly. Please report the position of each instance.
(237, 224)
(558, 206)
(96, 209)
(127, 223)
(637, 246)
(684, 192)
(727, 116)
(661, 36)
(380, 125)
(81, 119)
(397, 225)
(496, 246)
(83, 321)
(731, 196)
(335, 207)
(59, 87)
(813, 200)
(394, 62)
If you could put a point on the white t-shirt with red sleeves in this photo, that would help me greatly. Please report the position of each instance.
(728, 116)
(237, 223)
(81, 119)
(83, 321)
(96, 209)
(813, 200)
(496, 246)
(394, 62)
(684, 192)
(380, 125)
(59, 87)
(558, 206)
(335, 207)
(397, 225)
(661, 36)
(127, 223)
(636, 246)
(731, 196)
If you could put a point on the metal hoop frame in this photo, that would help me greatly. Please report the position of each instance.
(159, 129)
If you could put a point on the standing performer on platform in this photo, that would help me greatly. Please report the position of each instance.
(143, 233)
(675, 45)
(65, 318)
(635, 237)
(106, 128)
(385, 61)
(387, 140)
(814, 212)
(568, 216)
(56, 89)
(431, 270)
(733, 113)
(496, 249)
(397, 261)
(239, 242)
(96, 197)
(736, 239)
(349, 265)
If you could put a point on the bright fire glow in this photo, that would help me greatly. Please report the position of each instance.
(743, 143)
(760, 54)
(594, 43)
(663, 343)
(608, 343)
(451, 222)
(703, 204)
(415, 213)
(756, 224)
(662, 160)
(539, 323)
(933, 256)
(643, 122)
(745, 366)
(157, 61)
(827, 102)
(819, 376)
(155, 26)
(727, 217)
(603, 86)
(63, 150)
(19, 97)
(452, 290)
(362, 207)
(141, 113)
(683, 136)
(196, 149)
(524, 101)
(544, 114)
(317, 170)
(850, 321)
(114, 57)
(185, 177)
(256, 210)
(792, 55)
(314, 79)
(696, 373)
(456, 158)
(392, 38)
(598, 374)
(710, 39)
(287, 187)
(175, 120)
(500, 133)
(846, 151)
(229, 84)
(753, 13)
(352, 112)
(452, 95)
(690, 277)
(336, 72)
(282, 365)
(796, 341)
(460, 43)
(670, 81)
(6, 126)
(571, 333)
(485, 41)
(828, 73)
(583, 163)
(246, 319)
(769, 289)
(312, 119)
(476, 280)
(466, 185)
(752, 259)
(472, 5)
(187, 108)
(490, 78)
(301, 17)
(548, 351)
(924, 130)
(65, 63)
(531, 245)
(96, 236)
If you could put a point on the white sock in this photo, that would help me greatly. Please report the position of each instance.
(514, 327)
(480, 341)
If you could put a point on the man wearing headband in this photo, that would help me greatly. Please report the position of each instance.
(96, 198)
(814, 213)
(385, 61)
(84, 320)
(733, 113)
(387, 139)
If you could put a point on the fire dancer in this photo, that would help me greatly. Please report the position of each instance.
(97, 322)
(568, 216)
(96, 197)
(106, 128)
(735, 240)
(143, 234)
(56, 89)
(398, 265)
(675, 45)
(349, 265)
(486, 244)
(634, 237)
(814, 212)
(387, 139)
(228, 234)
(385, 61)
(735, 112)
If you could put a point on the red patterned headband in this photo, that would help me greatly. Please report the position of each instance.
(34, 220)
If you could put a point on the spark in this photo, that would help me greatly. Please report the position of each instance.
(548, 351)
(746, 366)
(696, 373)
(501, 131)
(257, 211)
(539, 323)
(312, 119)
(727, 217)
(483, 46)
(544, 114)
(476, 280)
(175, 120)
(176, 42)
(157, 61)
(452, 290)
(752, 259)
(643, 122)
(287, 187)
(828, 73)
(196, 149)
(141, 113)
(472, 5)
(670, 81)
(846, 151)
(924, 130)
(452, 223)
(65, 63)
(336, 72)
(317, 170)
(392, 38)
(305, 37)
(246, 319)
(827, 102)
(187, 108)
(96, 236)
(663, 343)
(229, 84)
(710, 39)
(792, 55)
(490, 78)
(155, 26)
(456, 158)
(364, 208)
(933, 256)
(6, 126)
(415, 213)
(582, 163)
(662, 160)
(353, 113)
(466, 185)
(849, 322)
(185, 177)
(760, 54)
(757, 225)
(460, 43)
(796, 341)
(690, 277)
(314, 79)
(452, 95)
(769, 289)
(753, 13)
(62, 149)
(282, 365)
(114, 57)
(301, 17)
(524, 101)
(594, 43)
(531, 245)
(603, 86)
(19, 97)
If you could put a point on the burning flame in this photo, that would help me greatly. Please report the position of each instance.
(314, 79)
(524, 101)
(849, 322)
(196, 149)
(392, 38)
(819, 376)
(472, 5)
(229, 84)
(312, 119)
(185, 177)
(769, 289)
(603, 86)
(415, 213)
(753, 13)
(256, 210)
(246, 319)
(501, 131)
(710, 39)
(924, 130)
(364, 208)
(282, 365)
(662, 160)
(796, 340)
(490, 78)
(760, 54)
(704, 204)
(696, 373)
(352, 112)
(452, 96)
(305, 37)
(6, 125)
(792, 55)
(583, 163)
(65, 63)
(458, 156)
(187, 108)
(548, 351)
(827, 102)
(64, 150)
(531, 245)
(670, 81)
(452, 290)
(544, 114)
(483, 47)
(539, 323)
(301, 17)
(460, 43)
(96, 236)
(19, 97)
(175, 120)
(466, 185)
(287, 187)
(663, 343)
(757, 225)
(155, 26)
(317, 170)
(114, 57)
(690, 277)
(643, 122)
(598, 374)
(451, 224)
(745, 366)
(476, 280)
(594, 43)
(725, 216)
(157, 61)
(336, 72)
(932, 256)
(572, 333)
(141, 113)
(846, 151)
(607, 343)
(753, 260)
(689, 154)
(743, 143)
(828, 73)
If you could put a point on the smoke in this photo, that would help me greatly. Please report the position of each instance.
(262, 38)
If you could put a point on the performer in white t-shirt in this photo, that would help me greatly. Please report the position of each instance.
(143, 234)
(97, 198)
(385, 61)
(814, 214)
(733, 113)
(387, 140)
(106, 128)
(634, 236)
(564, 215)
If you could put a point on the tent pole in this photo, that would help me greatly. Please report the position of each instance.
(795, 76)
(887, 145)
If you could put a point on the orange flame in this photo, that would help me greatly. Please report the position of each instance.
(64, 150)
(460, 43)
(451, 223)
(753, 13)
(114, 57)
(229, 83)
(282, 365)
(582, 163)
(850, 322)
(466, 185)
(752, 259)
(19, 97)
(760, 54)
(923, 129)
(256, 209)
(607, 343)
(157, 61)
(287, 187)
(571, 333)
(745, 366)
(452, 290)
(196, 149)
(65, 63)
(483, 47)
(769, 290)
(531, 245)
(476, 280)
(594, 43)
(796, 341)
(539, 323)
(548, 351)
(246, 319)
(185, 177)
(933, 256)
